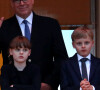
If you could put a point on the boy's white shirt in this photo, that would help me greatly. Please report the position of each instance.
(88, 64)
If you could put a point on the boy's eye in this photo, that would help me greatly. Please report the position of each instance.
(87, 43)
(79, 43)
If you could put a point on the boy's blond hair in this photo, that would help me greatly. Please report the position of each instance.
(82, 32)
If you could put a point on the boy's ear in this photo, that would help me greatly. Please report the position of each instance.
(92, 43)
(73, 44)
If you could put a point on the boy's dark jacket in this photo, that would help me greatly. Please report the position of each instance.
(71, 76)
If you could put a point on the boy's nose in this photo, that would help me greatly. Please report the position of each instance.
(83, 45)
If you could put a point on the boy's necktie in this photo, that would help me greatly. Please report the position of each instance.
(83, 67)
(27, 31)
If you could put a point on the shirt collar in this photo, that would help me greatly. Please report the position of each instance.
(80, 57)
(29, 18)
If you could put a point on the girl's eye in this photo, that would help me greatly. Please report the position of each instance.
(25, 49)
(17, 49)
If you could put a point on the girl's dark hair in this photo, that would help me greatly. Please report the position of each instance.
(20, 42)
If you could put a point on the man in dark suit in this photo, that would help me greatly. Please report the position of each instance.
(72, 75)
(48, 47)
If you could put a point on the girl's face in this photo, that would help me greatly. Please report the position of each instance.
(20, 55)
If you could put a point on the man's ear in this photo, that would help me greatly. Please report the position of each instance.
(11, 3)
(32, 1)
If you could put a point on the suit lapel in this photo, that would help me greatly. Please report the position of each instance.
(93, 67)
(75, 66)
(35, 25)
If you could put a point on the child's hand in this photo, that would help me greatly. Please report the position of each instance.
(89, 88)
(45, 86)
(11, 85)
(85, 85)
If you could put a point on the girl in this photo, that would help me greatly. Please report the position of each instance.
(20, 74)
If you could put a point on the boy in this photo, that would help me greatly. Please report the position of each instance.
(82, 71)
(20, 74)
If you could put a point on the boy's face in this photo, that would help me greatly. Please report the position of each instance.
(83, 46)
(20, 55)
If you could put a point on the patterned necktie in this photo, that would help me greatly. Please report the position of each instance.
(27, 31)
(83, 67)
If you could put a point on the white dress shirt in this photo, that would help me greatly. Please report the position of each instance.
(88, 65)
(22, 25)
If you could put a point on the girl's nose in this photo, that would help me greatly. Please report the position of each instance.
(21, 51)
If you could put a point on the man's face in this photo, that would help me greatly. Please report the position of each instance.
(22, 7)
(83, 46)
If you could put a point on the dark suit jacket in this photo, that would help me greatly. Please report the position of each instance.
(46, 40)
(71, 76)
